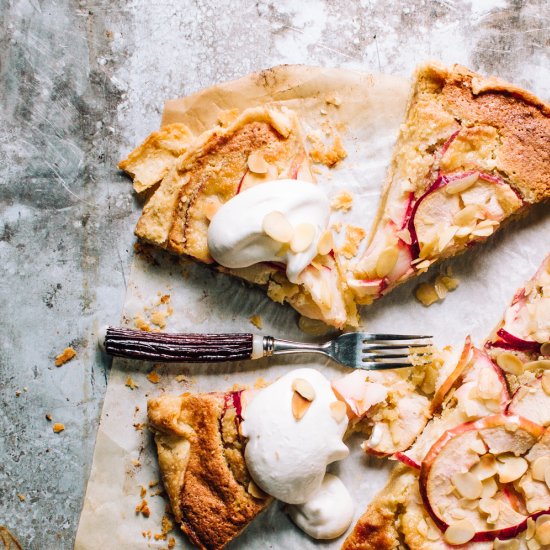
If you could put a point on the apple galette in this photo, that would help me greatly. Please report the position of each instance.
(479, 473)
(472, 153)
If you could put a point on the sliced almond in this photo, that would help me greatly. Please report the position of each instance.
(490, 488)
(338, 410)
(490, 507)
(539, 467)
(468, 485)
(459, 185)
(386, 261)
(511, 468)
(257, 163)
(545, 349)
(276, 225)
(460, 532)
(326, 243)
(464, 231)
(440, 288)
(512, 544)
(211, 206)
(510, 363)
(304, 388)
(531, 527)
(433, 533)
(541, 364)
(533, 544)
(426, 294)
(478, 446)
(300, 405)
(446, 236)
(485, 468)
(304, 234)
(545, 382)
(542, 529)
(255, 491)
(547, 477)
(483, 231)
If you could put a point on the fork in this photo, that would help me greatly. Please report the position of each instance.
(358, 350)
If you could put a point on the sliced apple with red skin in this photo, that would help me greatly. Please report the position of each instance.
(457, 451)
(531, 402)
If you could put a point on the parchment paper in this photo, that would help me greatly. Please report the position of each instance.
(368, 120)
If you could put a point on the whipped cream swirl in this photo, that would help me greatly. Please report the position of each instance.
(235, 235)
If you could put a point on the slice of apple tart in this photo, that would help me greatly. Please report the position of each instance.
(252, 181)
(472, 153)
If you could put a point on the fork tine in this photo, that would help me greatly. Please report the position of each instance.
(375, 365)
(372, 337)
(367, 356)
(367, 347)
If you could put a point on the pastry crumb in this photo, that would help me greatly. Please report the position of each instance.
(58, 427)
(435, 290)
(153, 483)
(337, 227)
(165, 299)
(48, 417)
(142, 491)
(17, 393)
(141, 324)
(256, 320)
(171, 542)
(353, 238)
(21, 497)
(131, 384)
(138, 426)
(342, 201)
(153, 377)
(143, 509)
(146, 534)
(159, 536)
(181, 378)
(333, 99)
(66, 355)
(329, 156)
(158, 318)
(136, 463)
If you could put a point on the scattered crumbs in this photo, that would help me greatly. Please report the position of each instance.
(167, 524)
(337, 226)
(142, 491)
(225, 118)
(143, 509)
(165, 299)
(136, 463)
(342, 201)
(146, 534)
(153, 483)
(159, 536)
(48, 417)
(21, 497)
(131, 384)
(436, 289)
(158, 318)
(329, 156)
(136, 409)
(141, 324)
(157, 493)
(181, 378)
(66, 355)
(333, 99)
(138, 426)
(58, 427)
(256, 320)
(171, 542)
(153, 377)
(354, 236)
(17, 393)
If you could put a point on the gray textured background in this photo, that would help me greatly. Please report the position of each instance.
(80, 84)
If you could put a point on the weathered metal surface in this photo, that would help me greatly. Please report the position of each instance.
(80, 84)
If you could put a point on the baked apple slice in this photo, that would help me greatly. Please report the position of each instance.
(464, 164)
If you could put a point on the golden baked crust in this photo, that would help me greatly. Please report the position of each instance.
(201, 461)
(150, 162)
(457, 123)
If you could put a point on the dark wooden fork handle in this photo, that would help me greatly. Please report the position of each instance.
(178, 348)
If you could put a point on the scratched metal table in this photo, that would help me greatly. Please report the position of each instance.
(81, 84)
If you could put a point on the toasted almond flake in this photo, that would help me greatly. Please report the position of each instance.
(300, 405)
(304, 388)
(533, 544)
(304, 234)
(457, 513)
(325, 296)
(468, 504)
(512, 544)
(545, 349)
(468, 485)
(450, 282)
(338, 410)
(257, 163)
(342, 201)
(446, 236)
(460, 532)
(510, 363)
(490, 488)
(490, 507)
(468, 215)
(485, 468)
(539, 466)
(464, 231)
(433, 533)
(276, 225)
(326, 243)
(255, 491)
(541, 364)
(545, 382)
(531, 527)
(256, 320)
(478, 446)
(511, 468)
(483, 231)
(459, 185)
(440, 289)
(404, 235)
(386, 261)
(423, 266)
(542, 529)
(425, 293)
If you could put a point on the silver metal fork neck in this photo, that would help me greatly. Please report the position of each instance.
(274, 346)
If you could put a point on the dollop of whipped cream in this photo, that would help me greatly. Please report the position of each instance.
(286, 457)
(327, 513)
(235, 235)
